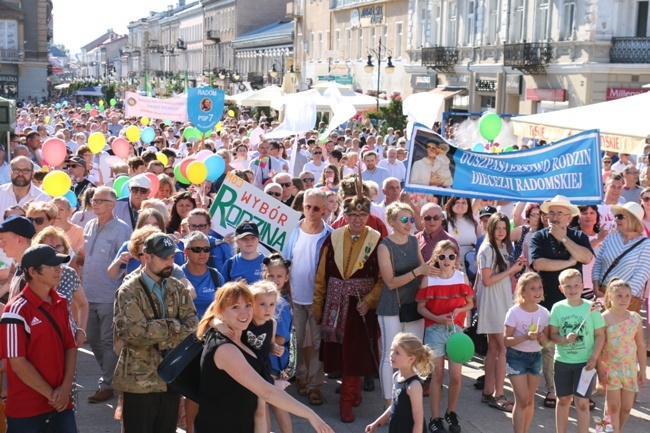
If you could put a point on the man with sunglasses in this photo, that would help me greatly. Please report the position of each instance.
(433, 232)
(21, 190)
(315, 166)
(127, 208)
(77, 169)
(284, 180)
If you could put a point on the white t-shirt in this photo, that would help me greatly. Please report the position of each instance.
(317, 170)
(303, 276)
(522, 320)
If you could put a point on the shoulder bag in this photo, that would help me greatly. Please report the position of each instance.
(181, 368)
(636, 302)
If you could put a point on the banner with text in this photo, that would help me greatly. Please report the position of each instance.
(205, 107)
(238, 201)
(570, 167)
(155, 108)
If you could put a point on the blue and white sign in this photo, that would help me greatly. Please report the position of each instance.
(570, 167)
(205, 107)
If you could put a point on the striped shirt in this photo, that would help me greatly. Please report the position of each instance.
(634, 268)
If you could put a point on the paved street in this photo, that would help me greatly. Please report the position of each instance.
(475, 417)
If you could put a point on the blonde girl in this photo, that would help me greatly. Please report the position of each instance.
(526, 332)
(413, 361)
(623, 358)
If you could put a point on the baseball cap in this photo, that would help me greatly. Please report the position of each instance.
(161, 245)
(77, 160)
(39, 255)
(487, 211)
(141, 181)
(246, 228)
(18, 225)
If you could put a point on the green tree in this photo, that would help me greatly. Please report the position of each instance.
(389, 116)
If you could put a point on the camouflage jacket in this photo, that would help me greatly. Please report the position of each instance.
(144, 337)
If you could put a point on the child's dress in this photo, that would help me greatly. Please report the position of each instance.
(401, 413)
(619, 355)
(259, 338)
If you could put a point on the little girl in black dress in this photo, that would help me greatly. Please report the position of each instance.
(412, 359)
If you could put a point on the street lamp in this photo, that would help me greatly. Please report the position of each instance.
(369, 67)
(273, 72)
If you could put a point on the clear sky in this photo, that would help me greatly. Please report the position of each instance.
(77, 23)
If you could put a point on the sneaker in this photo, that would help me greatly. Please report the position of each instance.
(453, 421)
(436, 426)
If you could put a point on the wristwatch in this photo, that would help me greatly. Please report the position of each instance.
(563, 240)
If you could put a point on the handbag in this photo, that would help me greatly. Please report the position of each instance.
(407, 312)
(181, 368)
(479, 340)
(603, 280)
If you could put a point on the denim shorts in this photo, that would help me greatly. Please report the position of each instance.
(518, 362)
(567, 377)
(436, 336)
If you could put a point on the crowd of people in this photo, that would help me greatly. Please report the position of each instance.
(373, 280)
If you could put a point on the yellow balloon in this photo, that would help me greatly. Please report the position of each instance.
(96, 142)
(162, 158)
(47, 119)
(101, 102)
(219, 126)
(231, 113)
(133, 133)
(56, 183)
(144, 121)
(197, 172)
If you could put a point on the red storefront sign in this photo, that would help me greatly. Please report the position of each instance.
(620, 92)
(554, 95)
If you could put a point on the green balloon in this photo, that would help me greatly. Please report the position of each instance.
(189, 132)
(207, 134)
(113, 102)
(489, 125)
(508, 149)
(102, 108)
(196, 133)
(179, 177)
(118, 184)
(88, 107)
(460, 348)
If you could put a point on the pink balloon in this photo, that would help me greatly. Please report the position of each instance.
(203, 154)
(54, 151)
(184, 163)
(155, 184)
(94, 112)
(121, 147)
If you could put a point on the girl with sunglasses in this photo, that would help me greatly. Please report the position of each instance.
(444, 301)
(494, 297)
(400, 264)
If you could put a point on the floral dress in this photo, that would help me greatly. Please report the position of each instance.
(619, 355)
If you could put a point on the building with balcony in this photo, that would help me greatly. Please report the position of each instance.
(25, 36)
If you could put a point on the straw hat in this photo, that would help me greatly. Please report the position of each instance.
(560, 200)
(632, 208)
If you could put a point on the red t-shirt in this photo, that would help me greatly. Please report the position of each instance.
(25, 332)
(442, 296)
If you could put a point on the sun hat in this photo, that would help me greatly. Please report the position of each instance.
(560, 200)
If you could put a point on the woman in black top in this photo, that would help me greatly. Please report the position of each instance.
(231, 380)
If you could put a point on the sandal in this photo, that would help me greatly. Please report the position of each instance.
(302, 389)
(501, 403)
(550, 402)
(592, 404)
(315, 397)
(486, 398)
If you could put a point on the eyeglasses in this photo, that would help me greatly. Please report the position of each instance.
(308, 179)
(198, 226)
(72, 166)
(99, 201)
(620, 216)
(645, 199)
(285, 185)
(38, 221)
(352, 216)
(443, 257)
(310, 207)
(406, 219)
(274, 194)
(198, 250)
(317, 153)
(22, 171)
(607, 162)
(533, 215)
(139, 190)
(435, 217)
(631, 172)
(556, 215)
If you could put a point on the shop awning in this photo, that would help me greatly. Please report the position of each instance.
(447, 92)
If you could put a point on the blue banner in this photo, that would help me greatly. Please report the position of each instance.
(570, 167)
(205, 107)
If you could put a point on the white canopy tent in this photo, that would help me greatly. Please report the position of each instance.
(623, 123)
(265, 97)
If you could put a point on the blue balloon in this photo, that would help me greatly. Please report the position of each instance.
(125, 190)
(478, 147)
(215, 165)
(65, 103)
(147, 135)
(71, 198)
(58, 105)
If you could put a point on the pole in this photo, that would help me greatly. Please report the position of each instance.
(378, 77)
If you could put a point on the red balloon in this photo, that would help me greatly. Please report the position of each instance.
(54, 151)
(155, 184)
(121, 147)
(94, 112)
(184, 163)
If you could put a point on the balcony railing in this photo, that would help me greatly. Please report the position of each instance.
(12, 55)
(213, 35)
(529, 57)
(630, 50)
(442, 59)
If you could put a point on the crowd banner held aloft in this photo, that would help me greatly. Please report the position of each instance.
(238, 200)
(570, 167)
(205, 107)
(174, 109)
